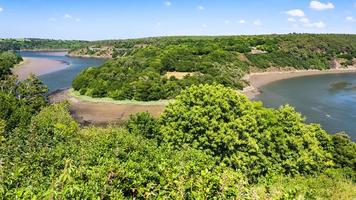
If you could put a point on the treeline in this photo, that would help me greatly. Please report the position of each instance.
(211, 143)
(139, 71)
(40, 44)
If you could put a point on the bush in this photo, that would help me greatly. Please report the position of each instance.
(246, 136)
(143, 124)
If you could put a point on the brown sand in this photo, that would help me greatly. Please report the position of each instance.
(258, 80)
(102, 113)
(37, 66)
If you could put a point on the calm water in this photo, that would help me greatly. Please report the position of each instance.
(63, 79)
(326, 99)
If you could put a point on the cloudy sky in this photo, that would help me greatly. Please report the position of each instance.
(112, 19)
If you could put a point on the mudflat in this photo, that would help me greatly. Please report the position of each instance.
(102, 113)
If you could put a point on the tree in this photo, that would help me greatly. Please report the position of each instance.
(243, 134)
(33, 92)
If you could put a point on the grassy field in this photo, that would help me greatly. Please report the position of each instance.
(77, 95)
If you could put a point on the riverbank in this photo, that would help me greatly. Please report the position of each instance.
(257, 80)
(37, 66)
(88, 110)
(88, 56)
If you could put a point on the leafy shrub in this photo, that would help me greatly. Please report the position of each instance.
(143, 124)
(246, 136)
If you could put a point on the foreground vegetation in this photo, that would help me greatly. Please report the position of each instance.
(212, 142)
(140, 69)
(7, 61)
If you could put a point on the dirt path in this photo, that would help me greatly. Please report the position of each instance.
(102, 113)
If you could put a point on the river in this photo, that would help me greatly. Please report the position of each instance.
(329, 100)
(63, 78)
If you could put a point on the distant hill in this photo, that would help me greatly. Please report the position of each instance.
(140, 65)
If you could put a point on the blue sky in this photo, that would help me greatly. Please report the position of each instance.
(114, 19)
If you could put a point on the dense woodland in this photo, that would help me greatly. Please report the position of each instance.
(139, 70)
(39, 44)
(210, 143)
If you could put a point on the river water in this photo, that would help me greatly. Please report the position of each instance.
(329, 100)
(63, 79)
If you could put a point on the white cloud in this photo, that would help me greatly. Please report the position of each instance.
(319, 24)
(201, 8)
(68, 16)
(257, 22)
(295, 13)
(309, 24)
(167, 3)
(291, 19)
(242, 21)
(1, 9)
(78, 19)
(317, 5)
(350, 19)
(227, 21)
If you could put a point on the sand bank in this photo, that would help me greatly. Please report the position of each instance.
(258, 80)
(37, 66)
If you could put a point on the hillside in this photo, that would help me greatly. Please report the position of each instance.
(139, 70)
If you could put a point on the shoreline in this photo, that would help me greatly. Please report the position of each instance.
(257, 80)
(38, 67)
(88, 56)
(102, 112)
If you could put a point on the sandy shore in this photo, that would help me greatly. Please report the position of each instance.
(37, 66)
(258, 80)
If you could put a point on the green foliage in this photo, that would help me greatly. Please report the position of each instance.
(211, 143)
(143, 124)
(49, 128)
(246, 136)
(344, 151)
(138, 72)
(20, 100)
(39, 44)
(7, 61)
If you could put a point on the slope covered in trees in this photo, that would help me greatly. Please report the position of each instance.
(211, 143)
(140, 68)
(7, 61)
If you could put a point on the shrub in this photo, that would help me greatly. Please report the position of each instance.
(246, 136)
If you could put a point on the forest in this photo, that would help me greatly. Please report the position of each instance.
(159, 68)
(39, 44)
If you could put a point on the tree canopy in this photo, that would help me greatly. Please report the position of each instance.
(139, 70)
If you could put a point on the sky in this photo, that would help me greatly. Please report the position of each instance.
(119, 19)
